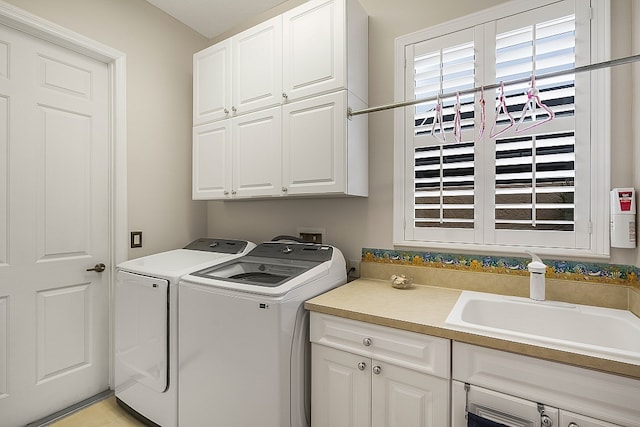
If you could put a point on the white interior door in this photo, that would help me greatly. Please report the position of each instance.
(54, 225)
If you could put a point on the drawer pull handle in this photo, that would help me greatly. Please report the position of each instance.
(367, 342)
(377, 369)
(362, 366)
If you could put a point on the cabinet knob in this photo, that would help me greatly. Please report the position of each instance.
(226, 111)
(546, 421)
(233, 192)
(284, 189)
(377, 369)
(573, 425)
(226, 193)
(285, 96)
(362, 366)
(234, 109)
(367, 341)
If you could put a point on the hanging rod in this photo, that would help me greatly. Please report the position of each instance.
(590, 67)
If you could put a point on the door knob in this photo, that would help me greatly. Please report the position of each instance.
(98, 268)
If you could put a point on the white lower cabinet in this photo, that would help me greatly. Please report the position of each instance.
(520, 390)
(341, 388)
(402, 397)
(369, 375)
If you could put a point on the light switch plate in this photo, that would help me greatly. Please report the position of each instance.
(136, 239)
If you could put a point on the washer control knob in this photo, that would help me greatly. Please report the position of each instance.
(362, 366)
(367, 341)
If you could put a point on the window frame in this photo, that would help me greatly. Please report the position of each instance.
(597, 227)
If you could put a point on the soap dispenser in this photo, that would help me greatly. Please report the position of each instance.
(537, 270)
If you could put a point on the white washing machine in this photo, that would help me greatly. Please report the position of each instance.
(146, 324)
(243, 332)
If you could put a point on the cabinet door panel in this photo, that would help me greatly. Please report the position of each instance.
(314, 48)
(257, 67)
(405, 398)
(257, 154)
(341, 393)
(212, 83)
(314, 138)
(212, 160)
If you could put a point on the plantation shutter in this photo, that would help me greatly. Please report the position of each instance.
(443, 187)
(535, 168)
(527, 186)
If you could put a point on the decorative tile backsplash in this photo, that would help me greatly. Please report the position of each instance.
(568, 270)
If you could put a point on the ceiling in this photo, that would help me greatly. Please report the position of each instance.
(213, 17)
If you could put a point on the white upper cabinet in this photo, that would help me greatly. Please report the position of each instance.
(314, 46)
(257, 158)
(238, 157)
(308, 65)
(212, 161)
(324, 49)
(257, 73)
(323, 152)
(211, 83)
(239, 75)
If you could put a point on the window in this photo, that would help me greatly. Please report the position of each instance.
(516, 174)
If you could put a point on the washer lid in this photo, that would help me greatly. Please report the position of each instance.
(257, 271)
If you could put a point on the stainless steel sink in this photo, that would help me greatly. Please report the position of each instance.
(594, 331)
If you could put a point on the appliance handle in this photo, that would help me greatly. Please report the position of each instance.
(284, 237)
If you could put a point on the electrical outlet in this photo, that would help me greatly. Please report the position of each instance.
(353, 269)
(312, 234)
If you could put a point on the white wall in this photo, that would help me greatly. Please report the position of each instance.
(622, 145)
(355, 223)
(159, 53)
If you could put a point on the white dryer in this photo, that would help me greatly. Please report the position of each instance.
(146, 324)
(244, 343)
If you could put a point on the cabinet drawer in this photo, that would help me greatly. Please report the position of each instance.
(415, 351)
